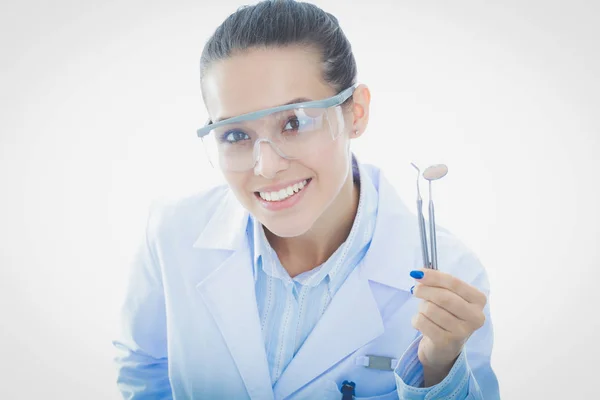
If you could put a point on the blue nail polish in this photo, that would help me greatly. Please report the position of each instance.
(417, 274)
(411, 290)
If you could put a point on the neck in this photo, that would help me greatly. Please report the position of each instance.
(303, 253)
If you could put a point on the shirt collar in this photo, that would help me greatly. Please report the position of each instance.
(336, 268)
(344, 261)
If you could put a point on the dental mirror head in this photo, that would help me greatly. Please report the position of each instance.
(435, 172)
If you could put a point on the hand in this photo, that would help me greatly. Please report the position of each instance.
(449, 314)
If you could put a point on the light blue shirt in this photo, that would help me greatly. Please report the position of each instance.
(290, 308)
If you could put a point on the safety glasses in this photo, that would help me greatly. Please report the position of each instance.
(293, 131)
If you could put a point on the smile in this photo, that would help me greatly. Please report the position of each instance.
(284, 193)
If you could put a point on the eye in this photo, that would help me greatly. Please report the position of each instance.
(293, 124)
(234, 136)
(296, 124)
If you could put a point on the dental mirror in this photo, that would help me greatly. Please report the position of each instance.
(435, 172)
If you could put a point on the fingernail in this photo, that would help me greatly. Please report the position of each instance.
(417, 274)
(411, 290)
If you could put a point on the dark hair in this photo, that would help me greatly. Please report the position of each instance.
(275, 23)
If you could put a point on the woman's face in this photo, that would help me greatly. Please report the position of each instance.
(265, 78)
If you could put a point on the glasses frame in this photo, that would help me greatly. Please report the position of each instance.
(325, 103)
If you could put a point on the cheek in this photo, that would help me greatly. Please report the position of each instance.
(238, 182)
(332, 163)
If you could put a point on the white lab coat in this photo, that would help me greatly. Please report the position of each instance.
(190, 321)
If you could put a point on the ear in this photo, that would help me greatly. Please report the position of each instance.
(360, 110)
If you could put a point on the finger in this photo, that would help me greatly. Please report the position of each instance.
(449, 301)
(443, 280)
(429, 328)
(442, 318)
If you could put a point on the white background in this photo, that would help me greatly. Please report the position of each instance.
(99, 102)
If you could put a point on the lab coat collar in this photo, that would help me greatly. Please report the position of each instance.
(226, 229)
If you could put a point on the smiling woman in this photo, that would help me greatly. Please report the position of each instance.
(288, 146)
(295, 279)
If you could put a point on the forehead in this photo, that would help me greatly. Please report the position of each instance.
(262, 78)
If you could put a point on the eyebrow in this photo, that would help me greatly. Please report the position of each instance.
(296, 100)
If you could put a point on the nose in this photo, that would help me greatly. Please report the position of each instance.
(268, 161)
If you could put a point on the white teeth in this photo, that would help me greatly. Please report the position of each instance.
(283, 193)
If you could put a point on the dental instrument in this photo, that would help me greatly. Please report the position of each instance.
(432, 173)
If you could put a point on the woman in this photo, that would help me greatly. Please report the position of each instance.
(295, 280)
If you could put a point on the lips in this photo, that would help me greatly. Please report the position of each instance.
(282, 194)
(283, 197)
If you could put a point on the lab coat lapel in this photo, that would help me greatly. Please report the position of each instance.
(229, 295)
(351, 321)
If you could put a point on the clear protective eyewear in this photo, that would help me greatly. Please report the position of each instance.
(294, 131)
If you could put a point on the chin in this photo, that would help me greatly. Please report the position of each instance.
(293, 226)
